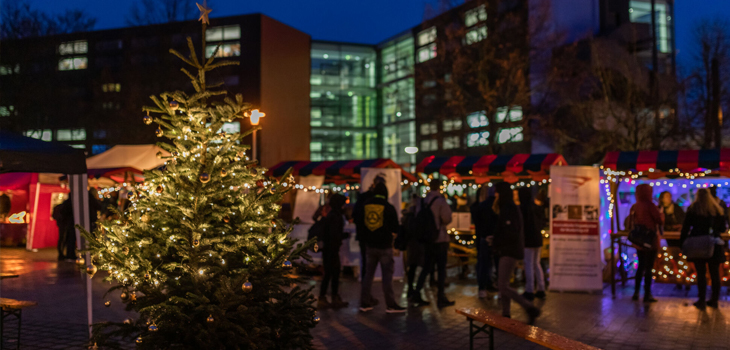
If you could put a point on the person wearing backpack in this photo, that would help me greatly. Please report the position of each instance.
(433, 214)
(381, 222)
(331, 236)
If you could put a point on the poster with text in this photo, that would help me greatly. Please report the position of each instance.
(575, 244)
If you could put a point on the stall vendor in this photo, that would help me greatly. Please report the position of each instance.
(673, 214)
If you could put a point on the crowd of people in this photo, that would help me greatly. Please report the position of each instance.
(508, 228)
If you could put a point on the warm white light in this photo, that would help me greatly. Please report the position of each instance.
(411, 150)
(255, 116)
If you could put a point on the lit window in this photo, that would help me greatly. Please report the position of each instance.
(478, 139)
(428, 128)
(515, 114)
(477, 120)
(71, 134)
(223, 33)
(7, 69)
(475, 35)
(73, 47)
(6, 111)
(452, 124)
(510, 135)
(225, 50)
(429, 83)
(45, 135)
(231, 128)
(427, 36)
(426, 53)
(315, 147)
(72, 63)
(451, 142)
(429, 145)
(111, 87)
(475, 15)
(640, 12)
(79, 146)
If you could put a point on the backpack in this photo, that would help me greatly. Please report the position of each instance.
(425, 223)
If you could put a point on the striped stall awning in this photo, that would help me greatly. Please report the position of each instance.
(336, 170)
(491, 165)
(664, 161)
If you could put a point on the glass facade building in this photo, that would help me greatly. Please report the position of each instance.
(343, 102)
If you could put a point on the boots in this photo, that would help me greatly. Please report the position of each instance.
(337, 302)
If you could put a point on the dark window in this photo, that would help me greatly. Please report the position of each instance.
(140, 43)
(100, 134)
(231, 80)
(109, 45)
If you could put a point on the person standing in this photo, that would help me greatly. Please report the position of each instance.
(381, 222)
(509, 245)
(358, 216)
(533, 224)
(5, 205)
(673, 219)
(706, 217)
(414, 248)
(332, 235)
(436, 251)
(483, 217)
(63, 215)
(645, 213)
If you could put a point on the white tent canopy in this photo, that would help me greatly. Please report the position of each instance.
(138, 157)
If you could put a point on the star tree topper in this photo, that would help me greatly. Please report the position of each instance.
(204, 11)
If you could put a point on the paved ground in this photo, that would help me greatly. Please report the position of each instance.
(672, 323)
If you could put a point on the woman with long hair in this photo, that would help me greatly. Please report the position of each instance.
(646, 214)
(706, 217)
(509, 246)
(533, 224)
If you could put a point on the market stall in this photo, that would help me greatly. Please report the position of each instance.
(123, 161)
(679, 174)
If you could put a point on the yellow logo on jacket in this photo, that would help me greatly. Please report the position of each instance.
(374, 216)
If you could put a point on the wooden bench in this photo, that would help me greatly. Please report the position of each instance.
(536, 335)
(12, 307)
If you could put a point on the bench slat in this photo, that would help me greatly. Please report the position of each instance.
(534, 334)
(7, 303)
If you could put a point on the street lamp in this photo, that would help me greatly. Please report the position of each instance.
(255, 117)
(411, 150)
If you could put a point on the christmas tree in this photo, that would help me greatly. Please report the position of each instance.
(200, 254)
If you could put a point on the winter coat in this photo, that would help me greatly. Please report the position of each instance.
(509, 238)
(671, 221)
(441, 212)
(483, 217)
(532, 224)
(381, 222)
(645, 213)
(358, 213)
(696, 225)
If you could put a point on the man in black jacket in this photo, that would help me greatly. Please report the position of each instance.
(358, 216)
(381, 225)
(332, 236)
(484, 220)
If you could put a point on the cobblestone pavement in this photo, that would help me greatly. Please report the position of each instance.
(58, 322)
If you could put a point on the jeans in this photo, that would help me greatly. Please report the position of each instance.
(384, 257)
(701, 267)
(485, 262)
(646, 264)
(438, 253)
(506, 293)
(331, 263)
(363, 258)
(533, 270)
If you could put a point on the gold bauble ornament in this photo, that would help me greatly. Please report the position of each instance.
(224, 172)
(145, 218)
(80, 261)
(316, 247)
(287, 264)
(147, 120)
(124, 296)
(159, 189)
(247, 287)
(204, 178)
(125, 250)
(91, 270)
(196, 243)
(226, 219)
(139, 339)
(174, 105)
(272, 190)
(128, 321)
(159, 155)
(147, 276)
(107, 303)
(159, 132)
(316, 319)
(152, 328)
(210, 319)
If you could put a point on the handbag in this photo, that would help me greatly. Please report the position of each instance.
(699, 247)
(640, 235)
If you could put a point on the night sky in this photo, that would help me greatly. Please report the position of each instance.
(357, 20)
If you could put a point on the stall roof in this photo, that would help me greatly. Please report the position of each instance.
(122, 158)
(491, 165)
(335, 171)
(665, 161)
(24, 154)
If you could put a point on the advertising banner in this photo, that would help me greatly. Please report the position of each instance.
(575, 244)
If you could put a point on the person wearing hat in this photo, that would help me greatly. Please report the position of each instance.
(358, 216)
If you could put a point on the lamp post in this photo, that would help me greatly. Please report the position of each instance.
(255, 117)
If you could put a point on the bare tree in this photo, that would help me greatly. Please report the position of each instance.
(19, 20)
(146, 12)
